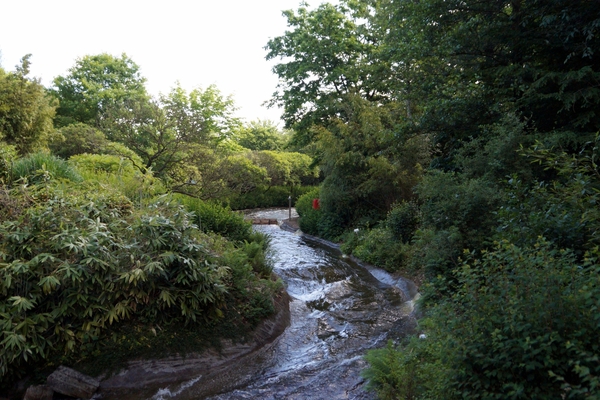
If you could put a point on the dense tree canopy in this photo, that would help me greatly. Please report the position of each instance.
(26, 110)
(457, 124)
(176, 135)
(94, 84)
(260, 135)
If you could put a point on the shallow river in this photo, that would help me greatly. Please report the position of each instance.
(339, 309)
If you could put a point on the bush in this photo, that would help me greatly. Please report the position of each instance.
(95, 164)
(118, 173)
(309, 217)
(8, 154)
(409, 371)
(522, 324)
(76, 262)
(267, 197)
(77, 138)
(542, 339)
(403, 220)
(212, 217)
(42, 167)
(380, 248)
(448, 200)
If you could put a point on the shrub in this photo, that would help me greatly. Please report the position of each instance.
(212, 217)
(448, 200)
(267, 197)
(77, 138)
(94, 164)
(541, 341)
(410, 371)
(40, 167)
(309, 217)
(76, 262)
(8, 154)
(403, 220)
(119, 173)
(522, 324)
(380, 248)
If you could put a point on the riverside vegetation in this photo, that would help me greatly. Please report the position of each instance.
(459, 145)
(117, 237)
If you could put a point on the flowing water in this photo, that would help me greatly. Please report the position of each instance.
(339, 309)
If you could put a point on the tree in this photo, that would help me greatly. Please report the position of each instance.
(176, 136)
(78, 138)
(95, 84)
(260, 135)
(285, 168)
(536, 59)
(26, 110)
(327, 55)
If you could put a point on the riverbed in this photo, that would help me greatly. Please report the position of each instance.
(339, 310)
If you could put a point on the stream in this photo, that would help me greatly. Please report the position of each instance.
(339, 310)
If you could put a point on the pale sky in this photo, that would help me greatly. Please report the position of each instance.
(195, 42)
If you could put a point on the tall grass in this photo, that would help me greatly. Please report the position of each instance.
(40, 167)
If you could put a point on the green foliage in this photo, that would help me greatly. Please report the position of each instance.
(309, 217)
(26, 110)
(76, 139)
(242, 176)
(260, 135)
(73, 264)
(286, 168)
(389, 245)
(523, 325)
(268, 197)
(380, 248)
(563, 212)
(97, 164)
(93, 85)
(325, 54)
(544, 308)
(42, 167)
(8, 154)
(102, 171)
(403, 220)
(367, 167)
(212, 217)
(409, 371)
(450, 200)
(494, 155)
(177, 137)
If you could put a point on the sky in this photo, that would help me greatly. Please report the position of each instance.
(194, 42)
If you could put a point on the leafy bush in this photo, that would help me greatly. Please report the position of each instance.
(523, 325)
(286, 168)
(73, 263)
(387, 246)
(118, 173)
(212, 217)
(403, 220)
(40, 167)
(380, 248)
(8, 154)
(267, 197)
(541, 341)
(77, 138)
(564, 211)
(468, 204)
(309, 217)
(409, 371)
(95, 164)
